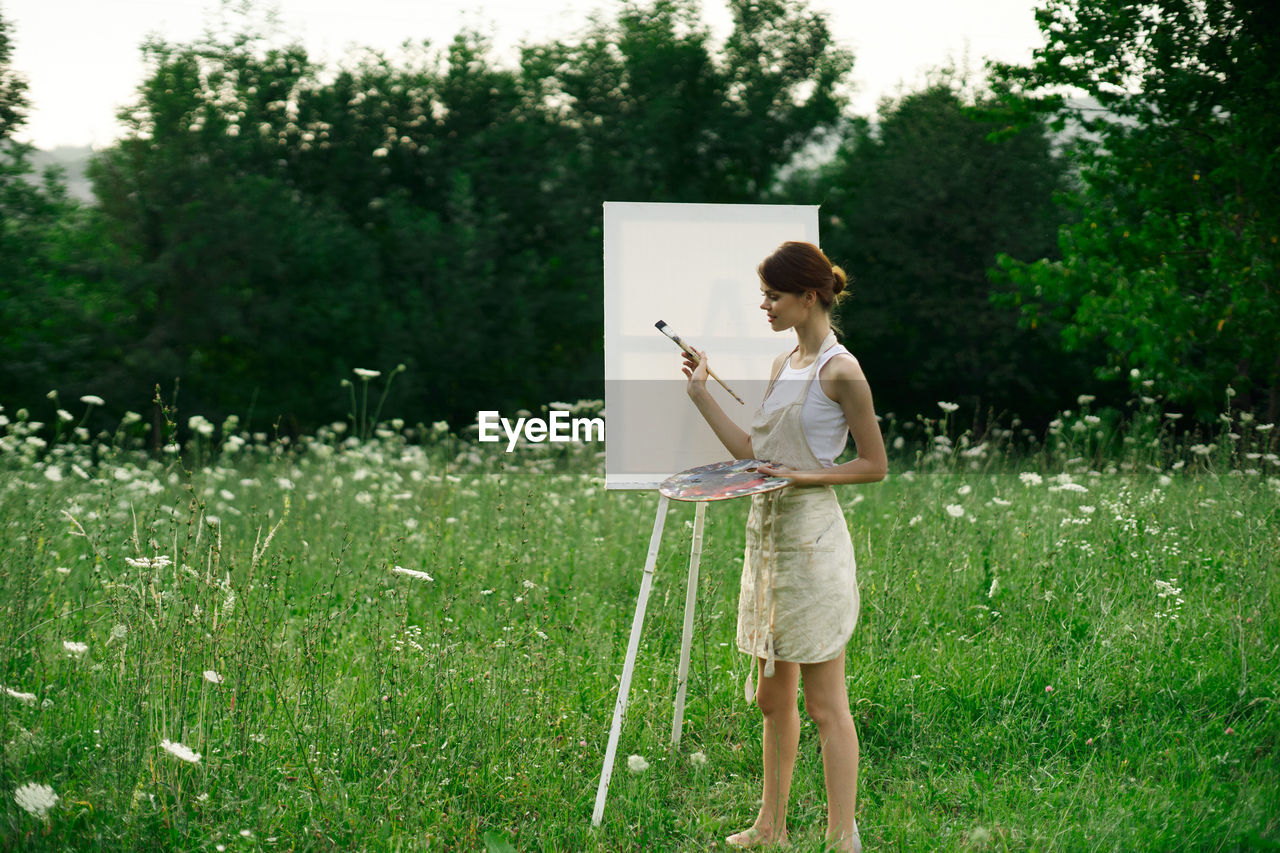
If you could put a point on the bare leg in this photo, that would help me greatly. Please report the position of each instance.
(826, 699)
(776, 697)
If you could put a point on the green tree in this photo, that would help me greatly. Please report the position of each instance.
(1170, 256)
(917, 205)
(57, 316)
(434, 208)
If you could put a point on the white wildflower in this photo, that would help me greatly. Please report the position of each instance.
(365, 373)
(413, 573)
(955, 510)
(93, 400)
(1030, 478)
(1069, 487)
(75, 648)
(178, 750)
(284, 483)
(53, 474)
(915, 519)
(1085, 399)
(995, 587)
(1087, 510)
(947, 407)
(698, 759)
(161, 562)
(1001, 502)
(1202, 449)
(65, 416)
(1167, 588)
(29, 698)
(964, 490)
(35, 798)
(637, 764)
(212, 677)
(1173, 416)
(486, 592)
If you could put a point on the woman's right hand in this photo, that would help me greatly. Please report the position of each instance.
(696, 371)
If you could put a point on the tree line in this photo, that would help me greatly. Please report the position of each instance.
(265, 224)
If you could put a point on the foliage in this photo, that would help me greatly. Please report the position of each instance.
(1170, 255)
(916, 206)
(59, 319)
(433, 209)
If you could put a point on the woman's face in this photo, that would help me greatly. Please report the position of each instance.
(783, 310)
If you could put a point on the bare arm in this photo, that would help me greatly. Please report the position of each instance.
(733, 437)
(843, 381)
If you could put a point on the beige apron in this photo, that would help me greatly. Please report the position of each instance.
(798, 600)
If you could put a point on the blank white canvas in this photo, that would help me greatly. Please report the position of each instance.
(694, 267)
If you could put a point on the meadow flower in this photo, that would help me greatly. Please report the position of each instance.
(1001, 502)
(161, 562)
(486, 592)
(1173, 416)
(1087, 510)
(53, 474)
(1030, 478)
(915, 519)
(75, 648)
(65, 416)
(178, 750)
(947, 407)
(29, 698)
(1201, 449)
(365, 373)
(1085, 399)
(964, 490)
(637, 764)
(1069, 487)
(400, 570)
(35, 798)
(93, 400)
(1048, 688)
(212, 677)
(955, 510)
(995, 587)
(1167, 588)
(698, 759)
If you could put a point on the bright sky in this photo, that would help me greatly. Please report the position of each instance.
(82, 62)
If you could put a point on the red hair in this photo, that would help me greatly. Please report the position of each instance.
(796, 267)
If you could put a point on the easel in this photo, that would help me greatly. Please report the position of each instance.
(633, 646)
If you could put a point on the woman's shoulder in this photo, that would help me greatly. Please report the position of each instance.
(841, 365)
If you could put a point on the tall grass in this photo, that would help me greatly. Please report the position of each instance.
(1068, 642)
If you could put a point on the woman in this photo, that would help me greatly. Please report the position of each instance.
(798, 601)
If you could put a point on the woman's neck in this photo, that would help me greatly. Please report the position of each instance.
(811, 334)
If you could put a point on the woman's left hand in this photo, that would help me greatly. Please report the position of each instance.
(797, 478)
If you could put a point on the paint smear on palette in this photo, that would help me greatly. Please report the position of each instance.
(721, 481)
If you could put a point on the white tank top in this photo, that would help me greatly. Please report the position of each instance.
(821, 417)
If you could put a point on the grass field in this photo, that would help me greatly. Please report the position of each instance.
(1071, 646)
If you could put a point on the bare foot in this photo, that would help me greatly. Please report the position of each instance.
(754, 837)
(850, 843)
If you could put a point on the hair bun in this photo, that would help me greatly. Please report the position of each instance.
(841, 280)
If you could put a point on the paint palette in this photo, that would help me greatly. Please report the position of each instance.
(721, 481)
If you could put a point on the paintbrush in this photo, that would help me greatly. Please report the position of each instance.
(666, 330)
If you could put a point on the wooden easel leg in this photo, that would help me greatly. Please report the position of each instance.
(690, 604)
(624, 687)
